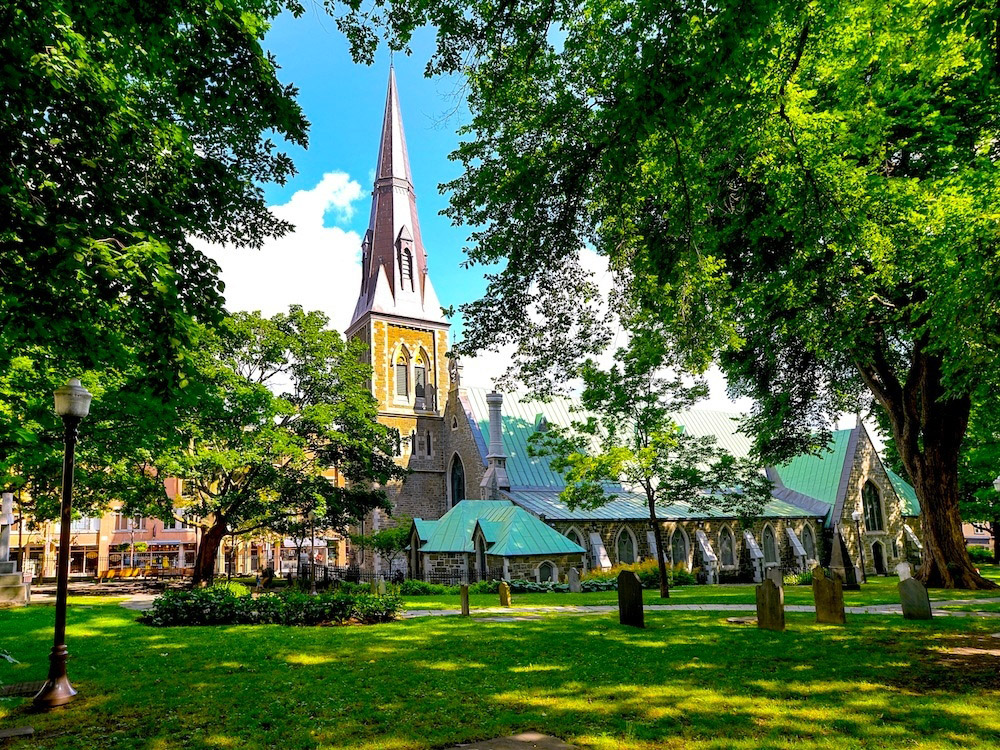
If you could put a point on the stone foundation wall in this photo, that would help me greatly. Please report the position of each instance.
(524, 567)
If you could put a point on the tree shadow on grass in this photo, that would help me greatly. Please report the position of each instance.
(689, 680)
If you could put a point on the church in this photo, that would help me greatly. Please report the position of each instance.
(481, 507)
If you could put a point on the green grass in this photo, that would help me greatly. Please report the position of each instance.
(877, 591)
(690, 680)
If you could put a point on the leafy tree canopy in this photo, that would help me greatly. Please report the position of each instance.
(127, 128)
(807, 191)
(284, 424)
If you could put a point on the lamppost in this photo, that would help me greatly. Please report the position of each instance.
(72, 404)
(856, 515)
(312, 551)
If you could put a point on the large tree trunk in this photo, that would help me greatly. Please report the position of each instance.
(995, 528)
(946, 561)
(661, 558)
(928, 426)
(208, 551)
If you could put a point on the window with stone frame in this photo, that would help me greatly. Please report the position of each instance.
(727, 547)
(678, 548)
(574, 537)
(430, 448)
(809, 543)
(419, 378)
(457, 480)
(770, 545)
(871, 504)
(402, 376)
(546, 572)
(626, 548)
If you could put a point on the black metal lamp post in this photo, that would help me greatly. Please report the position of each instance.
(312, 551)
(856, 515)
(72, 404)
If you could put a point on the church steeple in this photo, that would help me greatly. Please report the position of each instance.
(394, 279)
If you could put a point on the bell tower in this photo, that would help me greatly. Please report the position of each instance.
(399, 318)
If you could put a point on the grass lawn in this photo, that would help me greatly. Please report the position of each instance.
(690, 680)
(877, 591)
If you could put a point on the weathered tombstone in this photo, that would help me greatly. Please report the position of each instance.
(373, 586)
(914, 600)
(381, 587)
(841, 563)
(770, 606)
(465, 600)
(574, 581)
(904, 570)
(828, 593)
(774, 574)
(630, 600)
(504, 594)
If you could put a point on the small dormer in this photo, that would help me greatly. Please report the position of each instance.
(541, 423)
(405, 259)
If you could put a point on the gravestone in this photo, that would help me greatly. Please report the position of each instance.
(630, 600)
(904, 570)
(574, 581)
(504, 594)
(841, 564)
(774, 575)
(828, 593)
(770, 606)
(465, 600)
(914, 600)
(373, 586)
(381, 587)
(13, 589)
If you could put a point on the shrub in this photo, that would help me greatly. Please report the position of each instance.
(485, 587)
(648, 572)
(805, 578)
(532, 587)
(221, 606)
(235, 586)
(411, 587)
(980, 554)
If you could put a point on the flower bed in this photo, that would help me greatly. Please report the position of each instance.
(221, 606)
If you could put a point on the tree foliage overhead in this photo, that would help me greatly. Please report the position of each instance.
(127, 128)
(284, 424)
(805, 190)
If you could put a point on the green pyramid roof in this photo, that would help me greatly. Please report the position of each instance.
(509, 529)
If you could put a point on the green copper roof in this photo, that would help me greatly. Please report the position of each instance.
(907, 495)
(818, 476)
(424, 528)
(509, 530)
(521, 418)
(627, 506)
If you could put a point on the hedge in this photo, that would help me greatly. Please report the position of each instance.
(220, 606)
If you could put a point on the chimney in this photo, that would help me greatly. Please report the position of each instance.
(495, 479)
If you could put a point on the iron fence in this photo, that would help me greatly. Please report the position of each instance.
(457, 579)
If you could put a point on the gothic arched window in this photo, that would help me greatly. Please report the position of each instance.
(402, 376)
(809, 543)
(430, 448)
(419, 377)
(626, 547)
(871, 502)
(457, 481)
(678, 548)
(727, 547)
(770, 546)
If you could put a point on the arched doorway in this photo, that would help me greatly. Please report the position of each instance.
(878, 558)
(456, 482)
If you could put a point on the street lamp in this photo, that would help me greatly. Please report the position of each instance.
(72, 404)
(856, 515)
(312, 551)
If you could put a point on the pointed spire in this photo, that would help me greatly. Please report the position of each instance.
(394, 276)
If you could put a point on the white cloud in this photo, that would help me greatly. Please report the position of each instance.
(316, 266)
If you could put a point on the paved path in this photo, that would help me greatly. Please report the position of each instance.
(874, 609)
